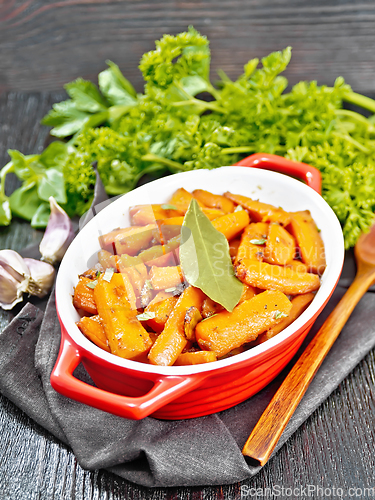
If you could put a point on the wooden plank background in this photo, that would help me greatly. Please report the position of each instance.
(44, 44)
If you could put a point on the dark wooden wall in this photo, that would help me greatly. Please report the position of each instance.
(46, 43)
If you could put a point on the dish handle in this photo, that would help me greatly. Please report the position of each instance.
(307, 173)
(165, 389)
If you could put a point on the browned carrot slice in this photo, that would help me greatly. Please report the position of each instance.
(231, 224)
(172, 339)
(233, 247)
(299, 304)
(161, 255)
(280, 246)
(137, 273)
(214, 200)
(309, 241)
(209, 307)
(141, 215)
(84, 296)
(272, 277)
(135, 239)
(195, 358)
(258, 211)
(252, 242)
(126, 336)
(182, 198)
(165, 277)
(93, 329)
(247, 294)
(107, 259)
(161, 306)
(298, 266)
(228, 330)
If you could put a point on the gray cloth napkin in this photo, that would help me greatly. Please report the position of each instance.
(150, 452)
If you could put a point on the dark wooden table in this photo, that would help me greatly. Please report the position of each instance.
(45, 44)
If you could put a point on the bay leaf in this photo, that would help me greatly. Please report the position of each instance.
(205, 259)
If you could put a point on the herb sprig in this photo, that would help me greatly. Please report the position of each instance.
(173, 127)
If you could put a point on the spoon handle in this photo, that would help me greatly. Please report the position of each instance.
(275, 417)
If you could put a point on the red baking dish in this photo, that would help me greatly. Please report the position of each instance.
(136, 390)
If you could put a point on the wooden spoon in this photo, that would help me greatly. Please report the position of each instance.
(275, 417)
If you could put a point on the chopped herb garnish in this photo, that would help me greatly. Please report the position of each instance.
(258, 242)
(166, 206)
(145, 316)
(148, 285)
(92, 284)
(108, 274)
(280, 314)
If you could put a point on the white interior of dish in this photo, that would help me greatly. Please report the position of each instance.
(269, 187)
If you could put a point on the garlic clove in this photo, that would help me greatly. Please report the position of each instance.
(41, 279)
(10, 290)
(14, 264)
(58, 235)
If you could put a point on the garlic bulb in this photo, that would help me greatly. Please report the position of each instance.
(41, 279)
(10, 290)
(18, 275)
(14, 264)
(58, 235)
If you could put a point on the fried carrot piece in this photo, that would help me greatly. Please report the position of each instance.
(280, 246)
(137, 273)
(195, 358)
(161, 255)
(228, 330)
(135, 239)
(126, 336)
(84, 296)
(92, 328)
(141, 215)
(172, 339)
(256, 232)
(161, 306)
(165, 277)
(298, 266)
(182, 198)
(233, 247)
(299, 304)
(272, 277)
(309, 241)
(247, 294)
(258, 211)
(209, 307)
(231, 224)
(214, 200)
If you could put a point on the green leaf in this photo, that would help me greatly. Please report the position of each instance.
(258, 242)
(146, 316)
(24, 201)
(41, 216)
(109, 272)
(22, 165)
(167, 206)
(86, 96)
(52, 184)
(65, 119)
(54, 156)
(5, 212)
(205, 259)
(195, 84)
(92, 284)
(116, 88)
